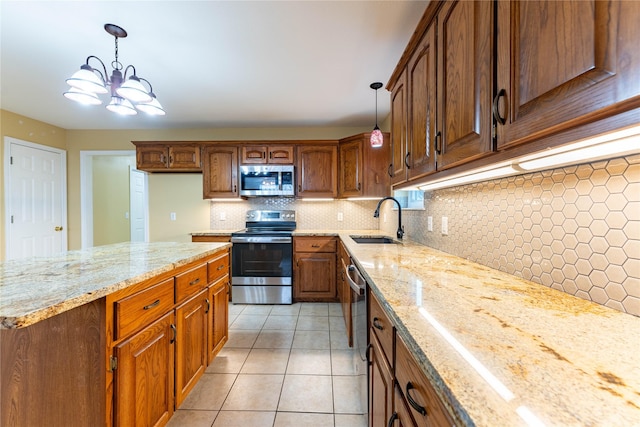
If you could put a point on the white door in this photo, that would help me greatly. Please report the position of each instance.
(35, 199)
(138, 206)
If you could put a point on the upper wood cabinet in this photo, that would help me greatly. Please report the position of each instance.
(220, 172)
(317, 170)
(159, 157)
(464, 81)
(562, 64)
(262, 154)
(399, 117)
(422, 107)
(364, 170)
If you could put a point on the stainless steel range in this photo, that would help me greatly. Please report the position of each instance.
(262, 258)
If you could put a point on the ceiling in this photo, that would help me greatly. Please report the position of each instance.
(211, 63)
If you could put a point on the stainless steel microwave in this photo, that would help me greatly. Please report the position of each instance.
(267, 180)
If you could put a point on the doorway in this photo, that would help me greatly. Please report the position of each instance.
(114, 200)
(35, 199)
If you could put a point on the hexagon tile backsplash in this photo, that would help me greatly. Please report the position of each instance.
(575, 229)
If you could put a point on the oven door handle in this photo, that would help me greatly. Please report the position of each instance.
(356, 287)
(258, 239)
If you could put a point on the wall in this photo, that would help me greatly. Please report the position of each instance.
(310, 215)
(110, 202)
(166, 190)
(26, 129)
(575, 229)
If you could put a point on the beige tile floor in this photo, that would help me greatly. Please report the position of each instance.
(284, 365)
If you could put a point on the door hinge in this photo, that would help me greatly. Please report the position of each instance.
(113, 363)
(11, 160)
(11, 219)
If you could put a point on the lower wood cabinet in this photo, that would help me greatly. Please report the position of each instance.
(144, 375)
(191, 343)
(211, 238)
(218, 317)
(380, 386)
(314, 268)
(344, 290)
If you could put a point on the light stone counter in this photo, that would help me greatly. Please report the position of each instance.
(503, 351)
(38, 288)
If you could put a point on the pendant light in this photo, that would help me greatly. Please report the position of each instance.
(127, 93)
(376, 135)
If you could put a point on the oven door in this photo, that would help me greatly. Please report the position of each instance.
(261, 270)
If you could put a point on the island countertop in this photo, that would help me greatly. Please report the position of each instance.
(35, 289)
(504, 351)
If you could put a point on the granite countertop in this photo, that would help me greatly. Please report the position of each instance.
(213, 233)
(504, 351)
(35, 289)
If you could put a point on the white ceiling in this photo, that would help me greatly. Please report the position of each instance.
(211, 63)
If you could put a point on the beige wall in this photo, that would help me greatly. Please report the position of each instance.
(111, 198)
(26, 129)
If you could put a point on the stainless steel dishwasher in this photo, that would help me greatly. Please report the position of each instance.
(358, 287)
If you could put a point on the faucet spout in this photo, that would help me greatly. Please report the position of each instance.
(376, 214)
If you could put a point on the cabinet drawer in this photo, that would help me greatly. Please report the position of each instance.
(191, 282)
(381, 326)
(314, 244)
(425, 405)
(217, 268)
(142, 308)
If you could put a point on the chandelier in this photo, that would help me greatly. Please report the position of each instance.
(127, 94)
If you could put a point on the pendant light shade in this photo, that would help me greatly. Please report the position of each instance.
(377, 139)
(83, 97)
(152, 108)
(121, 106)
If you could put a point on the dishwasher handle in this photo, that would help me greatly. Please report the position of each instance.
(359, 284)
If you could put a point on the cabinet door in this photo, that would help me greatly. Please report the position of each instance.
(218, 317)
(564, 63)
(254, 154)
(184, 158)
(152, 157)
(380, 387)
(191, 344)
(220, 172)
(317, 171)
(421, 71)
(281, 154)
(144, 376)
(350, 175)
(399, 117)
(465, 34)
(315, 276)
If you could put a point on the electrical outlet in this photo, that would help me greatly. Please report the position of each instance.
(429, 223)
(223, 216)
(445, 225)
(340, 216)
(172, 215)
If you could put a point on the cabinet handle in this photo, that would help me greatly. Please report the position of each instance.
(393, 417)
(299, 188)
(235, 188)
(220, 267)
(368, 354)
(175, 333)
(421, 409)
(494, 108)
(315, 246)
(376, 324)
(150, 306)
(389, 170)
(438, 142)
(194, 282)
(170, 160)
(208, 305)
(358, 186)
(405, 161)
(271, 155)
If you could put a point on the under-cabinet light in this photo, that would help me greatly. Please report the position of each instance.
(306, 199)
(607, 146)
(472, 176)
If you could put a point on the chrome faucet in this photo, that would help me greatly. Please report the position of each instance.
(376, 214)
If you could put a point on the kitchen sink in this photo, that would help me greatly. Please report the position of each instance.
(373, 239)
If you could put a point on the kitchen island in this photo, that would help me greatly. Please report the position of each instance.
(504, 351)
(63, 318)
